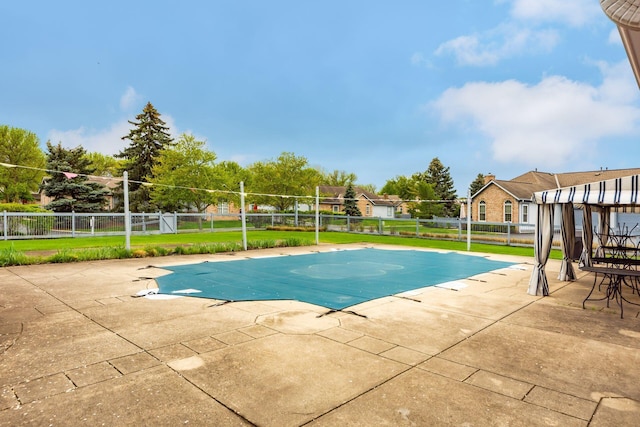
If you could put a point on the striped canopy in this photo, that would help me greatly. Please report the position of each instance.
(612, 192)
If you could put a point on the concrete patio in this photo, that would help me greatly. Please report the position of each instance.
(77, 348)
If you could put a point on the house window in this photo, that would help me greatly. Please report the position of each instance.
(336, 208)
(525, 213)
(507, 211)
(368, 210)
(482, 211)
(389, 211)
(223, 208)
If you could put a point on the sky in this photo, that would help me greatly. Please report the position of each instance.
(370, 87)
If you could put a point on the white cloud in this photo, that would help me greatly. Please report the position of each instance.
(550, 123)
(418, 59)
(129, 99)
(574, 13)
(105, 141)
(526, 31)
(489, 47)
(468, 51)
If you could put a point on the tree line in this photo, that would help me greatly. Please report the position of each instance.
(183, 175)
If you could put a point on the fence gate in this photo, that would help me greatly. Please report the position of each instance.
(168, 223)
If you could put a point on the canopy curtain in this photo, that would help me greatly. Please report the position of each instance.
(604, 220)
(568, 231)
(587, 237)
(538, 284)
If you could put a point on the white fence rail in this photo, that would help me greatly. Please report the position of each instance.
(20, 225)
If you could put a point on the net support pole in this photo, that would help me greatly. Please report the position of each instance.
(317, 215)
(243, 216)
(127, 214)
(468, 220)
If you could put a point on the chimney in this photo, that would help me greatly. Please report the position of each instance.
(488, 178)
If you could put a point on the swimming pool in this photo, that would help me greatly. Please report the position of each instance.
(335, 279)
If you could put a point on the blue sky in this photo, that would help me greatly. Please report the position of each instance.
(372, 87)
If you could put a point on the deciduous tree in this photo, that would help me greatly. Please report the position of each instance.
(103, 164)
(338, 178)
(428, 205)
(183, 176)
(288, 175)
(401, 186)
(22, 148)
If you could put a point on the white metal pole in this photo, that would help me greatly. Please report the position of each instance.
(243, 216)
(317, 215)
(127, 215)
(469, 220)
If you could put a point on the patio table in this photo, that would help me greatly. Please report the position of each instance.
(617, 276)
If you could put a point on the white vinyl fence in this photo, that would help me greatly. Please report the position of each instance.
(20, 225)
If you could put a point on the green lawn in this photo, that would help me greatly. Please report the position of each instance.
(185, 239)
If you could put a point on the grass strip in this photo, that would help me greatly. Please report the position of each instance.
(24, 252)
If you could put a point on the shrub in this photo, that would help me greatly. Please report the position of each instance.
(19, 207)
(63, 255)
(11, 256)
(139, 253)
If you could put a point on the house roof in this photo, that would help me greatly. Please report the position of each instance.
(332, 194)
(626, 15)
(522, 187)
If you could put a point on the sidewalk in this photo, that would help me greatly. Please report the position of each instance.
(76, 348)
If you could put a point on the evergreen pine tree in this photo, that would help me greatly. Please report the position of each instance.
(439, 176)
(350, 202)
(147, 138)
(477, 184)
(70, 190)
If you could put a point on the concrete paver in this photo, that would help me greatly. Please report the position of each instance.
(77, 348)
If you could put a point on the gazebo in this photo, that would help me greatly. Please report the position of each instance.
(600, 197)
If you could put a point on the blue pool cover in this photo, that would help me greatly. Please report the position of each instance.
(336, 279)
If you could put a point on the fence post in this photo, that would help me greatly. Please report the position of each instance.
(175, 222)
(243, 215)
(317, 215)
(93, 225)
(508, 233)
(469, 219)
(380, 225)
(417, 227)
(5, 225)
(459, 229)
(126, 214)
(73, 224)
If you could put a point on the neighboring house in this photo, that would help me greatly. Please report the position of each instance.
(223, 208)
(370, 204)
(109, 183)
(511, 200)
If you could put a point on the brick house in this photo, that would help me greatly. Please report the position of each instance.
(370, 204)
(109, 183)
(511, 200)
